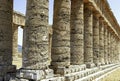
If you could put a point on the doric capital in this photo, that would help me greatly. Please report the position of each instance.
(89, 5)
(96, 14)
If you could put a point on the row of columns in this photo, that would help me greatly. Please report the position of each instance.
(80, 36)
(88, 41)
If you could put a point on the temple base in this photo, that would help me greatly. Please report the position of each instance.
(90, 65)
(35, 74)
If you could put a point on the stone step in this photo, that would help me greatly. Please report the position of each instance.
(92, 77)
(80, 74)
(71, 69)
(54, 79)
(106, 66)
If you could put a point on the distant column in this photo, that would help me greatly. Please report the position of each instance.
(88, 35)
(108, 46)
(101, 40)
(15, 41)
(77, 32)
(61, 34)
(111, 47)
(105, 45)
(96, 38)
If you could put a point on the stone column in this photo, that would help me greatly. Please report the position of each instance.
(105, 45)
(35, 41)
(114, 49)
(6, 12)
(108, 46)
(61, 34)
(88, 35)
(77, 32)
(15, 41)
(96, 38)
(111, 47)
(50, 41)
(118, 49)
(101, 40)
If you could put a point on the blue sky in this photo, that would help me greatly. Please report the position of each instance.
(20, 5)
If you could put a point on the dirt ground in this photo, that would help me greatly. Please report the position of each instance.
(114, 76)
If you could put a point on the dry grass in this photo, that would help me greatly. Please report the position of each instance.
(114, 76)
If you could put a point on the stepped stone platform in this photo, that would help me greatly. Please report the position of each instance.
(74, 73)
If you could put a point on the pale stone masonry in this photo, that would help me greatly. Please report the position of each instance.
(35, 39)
(105, 45)
(15, 40)
(96, 38)
(101, 40)
(84, 34)
(61, 34)
(77, 32)
(88, 35)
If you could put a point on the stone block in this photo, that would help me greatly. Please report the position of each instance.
(69, 78)
(7, 69)
(31, 74)
(49, 73)
(62, 70)
(90, 65)
(35, 74)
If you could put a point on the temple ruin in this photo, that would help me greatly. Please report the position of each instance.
(83, 44)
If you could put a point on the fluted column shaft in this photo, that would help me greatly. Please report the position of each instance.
(111, 47)
(35, 39)
(88, 35)
(108, 46)
(61, 34)
(105, 45)
(114, 50)
(77, 32)
(96, 38)
(101, 40)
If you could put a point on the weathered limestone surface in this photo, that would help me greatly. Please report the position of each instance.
(101, 40)
(61, 34)
(15, 40)
(108, 46)
(105, 45)
(77, 32)
(96, 38)
(111, 47)
(35, 46)
(88, 35)
(6, 8)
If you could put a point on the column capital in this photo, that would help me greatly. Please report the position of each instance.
(101, 19)
(96, 14)
(89, 5)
